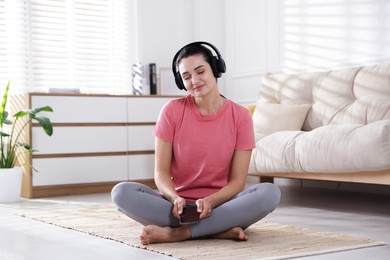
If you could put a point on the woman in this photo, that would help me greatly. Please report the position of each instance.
(203, 145)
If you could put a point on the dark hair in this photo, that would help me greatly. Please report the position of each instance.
(194, 50)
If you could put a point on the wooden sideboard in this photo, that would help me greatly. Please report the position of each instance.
(98, 141)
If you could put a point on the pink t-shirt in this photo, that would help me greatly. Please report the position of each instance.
(203, 146)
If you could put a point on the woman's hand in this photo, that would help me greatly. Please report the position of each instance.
(204, 208)
(178, 205)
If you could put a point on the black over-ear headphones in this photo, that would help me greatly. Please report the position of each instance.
(217, 64)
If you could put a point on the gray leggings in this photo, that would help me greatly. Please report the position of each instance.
(148, 207)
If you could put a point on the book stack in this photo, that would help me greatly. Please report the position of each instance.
(144, 79)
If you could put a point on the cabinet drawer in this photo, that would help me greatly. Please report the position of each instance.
(141, 166)
(61, 171)
(145, 109)
(79, 109)
(80, 139)
(141, 138)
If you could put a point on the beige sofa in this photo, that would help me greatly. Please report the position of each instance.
(331, 125)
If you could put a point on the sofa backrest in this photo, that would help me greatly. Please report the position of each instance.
(354, 95)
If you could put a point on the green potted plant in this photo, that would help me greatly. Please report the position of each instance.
(11, 146)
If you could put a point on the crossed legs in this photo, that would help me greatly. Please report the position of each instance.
(227, 221)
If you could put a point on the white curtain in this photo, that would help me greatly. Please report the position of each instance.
(86, 45)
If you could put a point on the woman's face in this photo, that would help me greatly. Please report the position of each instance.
(197, 75)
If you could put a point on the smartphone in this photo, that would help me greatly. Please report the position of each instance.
(190, 214)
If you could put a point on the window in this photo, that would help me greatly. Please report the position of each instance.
(323, 35)
(13, 45)
(69, 44)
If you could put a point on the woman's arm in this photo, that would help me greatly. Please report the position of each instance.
(237, 180)
(162, 175)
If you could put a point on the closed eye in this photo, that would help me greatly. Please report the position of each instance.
(186, 76)
(198, 70)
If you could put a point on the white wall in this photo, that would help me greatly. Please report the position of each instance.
(259, 36)
(163, 26)
(166, 25)
(251, 46)
(236, 27)
(300, 35)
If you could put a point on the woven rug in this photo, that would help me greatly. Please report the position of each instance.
(266, 240)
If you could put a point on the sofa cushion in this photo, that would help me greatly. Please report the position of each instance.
(357, 95)
(271, 117)
(330, 148)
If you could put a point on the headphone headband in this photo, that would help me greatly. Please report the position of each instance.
(217, 63)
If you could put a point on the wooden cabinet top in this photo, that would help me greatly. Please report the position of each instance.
(99, 95)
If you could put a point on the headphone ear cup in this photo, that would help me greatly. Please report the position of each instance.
(218, 66)
(221, 66)
(179, 81)
(214, 67)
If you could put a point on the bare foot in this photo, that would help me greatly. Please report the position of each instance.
(154, 234)
(236, 233)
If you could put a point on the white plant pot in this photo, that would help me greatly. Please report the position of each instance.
(10, 184)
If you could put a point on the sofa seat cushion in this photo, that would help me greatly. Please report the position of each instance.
(330, 148)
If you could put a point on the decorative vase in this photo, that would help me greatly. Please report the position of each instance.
(10, 184)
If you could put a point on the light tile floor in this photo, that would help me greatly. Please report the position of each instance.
(360, 214)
